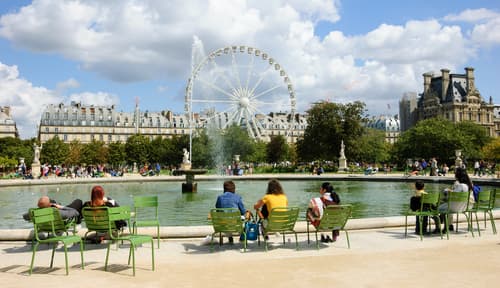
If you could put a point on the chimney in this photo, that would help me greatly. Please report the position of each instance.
(469, 73)
(427, 83)
(445, 82)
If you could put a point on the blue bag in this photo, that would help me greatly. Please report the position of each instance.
(475, 190)
(252, 230)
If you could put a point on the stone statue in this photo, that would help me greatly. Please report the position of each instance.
(342, 147)
(185, 158)
(36, 158)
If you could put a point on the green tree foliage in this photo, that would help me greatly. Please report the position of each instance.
(157, 150)
(116, 154)
(137, 149)
(95, 152)
(491, 151)
(54, 151)
(15, 148)
(437, 137)
(277, 149)
(237, 142)
(327, 125)
(375, 148)
(203, 151)
(75, 153)
(259, 154)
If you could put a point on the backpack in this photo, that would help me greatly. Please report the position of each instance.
(475, 191)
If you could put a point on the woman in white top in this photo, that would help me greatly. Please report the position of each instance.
(462, 184)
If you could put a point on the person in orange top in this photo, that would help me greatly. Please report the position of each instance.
(275, 197)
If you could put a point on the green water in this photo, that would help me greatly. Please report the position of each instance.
(370, 199)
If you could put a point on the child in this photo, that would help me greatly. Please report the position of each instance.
(415, 206)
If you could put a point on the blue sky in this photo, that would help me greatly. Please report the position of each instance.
(112, 52)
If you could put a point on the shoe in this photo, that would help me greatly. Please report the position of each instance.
(207, 240)
(328, 239)
(323, 239)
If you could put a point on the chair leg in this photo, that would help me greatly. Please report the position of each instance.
(296, 242)
(107, 257)
(493, 227)
(81, 254)
(158, 235)
(132, 246)
(406, 226)
(307, 232)
(347, 237)
(66, 257)
(53, 252)
(317, 243)
(35, 248)
(152, 256)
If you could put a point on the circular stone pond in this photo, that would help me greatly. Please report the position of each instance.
(369, 198)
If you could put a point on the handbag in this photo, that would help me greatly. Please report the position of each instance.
(252, 230)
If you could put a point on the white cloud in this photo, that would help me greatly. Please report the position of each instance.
(472, 15)
(98, 98)
(24, 99)
(61, 87)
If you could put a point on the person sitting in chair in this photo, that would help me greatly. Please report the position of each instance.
(68, 212)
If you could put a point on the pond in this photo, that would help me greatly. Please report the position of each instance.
(370, 199)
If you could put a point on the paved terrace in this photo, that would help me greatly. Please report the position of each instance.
(380, 256)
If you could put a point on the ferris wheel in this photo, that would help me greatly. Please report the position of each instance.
(239, 85)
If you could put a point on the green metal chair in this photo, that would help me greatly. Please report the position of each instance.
(428, 208)
(227, 221)
(49, 220)
(334, 218)
(281, 220)
(146, 214)
(457, 199)
(103, 219)
(485, 203)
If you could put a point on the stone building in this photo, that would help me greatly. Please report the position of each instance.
(8, 126)
(390, 126)
(408, 111)
(456, 98)
(103, 123)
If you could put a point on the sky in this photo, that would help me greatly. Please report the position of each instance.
(116, 51)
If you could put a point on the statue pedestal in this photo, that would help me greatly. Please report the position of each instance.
(185, 166)
(35, 170)
(342, 164)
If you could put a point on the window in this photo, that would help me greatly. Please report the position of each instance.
(65, 137)
(47, 115)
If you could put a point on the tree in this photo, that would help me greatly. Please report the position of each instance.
(54, 151)
(491, 151)
(259, 154)
(236, 141)
(95, 152)
(116, 154)
(438, 137)
(15, 148)
(375, 148)
(136, 148)
(327, 125)
(75, 153)
(277, 149)
(203, 150)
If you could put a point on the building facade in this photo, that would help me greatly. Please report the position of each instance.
(408, 112)
(103, 123)
(390, 126)
(455, 97)
(8, 126)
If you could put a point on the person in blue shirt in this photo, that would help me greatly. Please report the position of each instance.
(229, 199)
